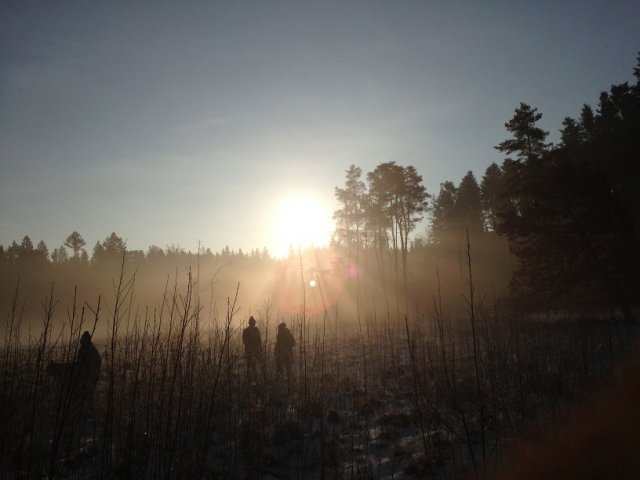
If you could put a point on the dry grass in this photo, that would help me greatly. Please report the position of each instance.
(418, 396)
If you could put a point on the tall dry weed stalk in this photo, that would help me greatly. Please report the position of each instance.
(373, 395)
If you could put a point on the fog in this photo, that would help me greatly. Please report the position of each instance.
(312, 284)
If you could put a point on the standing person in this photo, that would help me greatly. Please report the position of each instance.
(252, 347)
(284, 350)
(88, 366)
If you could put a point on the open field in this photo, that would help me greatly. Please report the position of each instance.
(372, 397)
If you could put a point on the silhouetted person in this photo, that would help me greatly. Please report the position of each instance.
(77, 380)
(252, 347)
(284, 350)
(88, 366)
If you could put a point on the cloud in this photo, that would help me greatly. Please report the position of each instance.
(217, 121)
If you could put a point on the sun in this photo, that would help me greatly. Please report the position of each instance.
(301, 221)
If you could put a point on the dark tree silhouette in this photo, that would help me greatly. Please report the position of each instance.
(571, 214)
(468, 208)
(26, 248)
(155, 253)
(59, 255)
(528, 139)
(572, 134)
(111, 249)
(456, 210)
(492, 191)
(75, 242)
(42, 252)
(350, 217)
(13, 251)
(587, 123)
(443, 213)
(397, 202)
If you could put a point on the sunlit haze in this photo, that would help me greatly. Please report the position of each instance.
(319, 239)
(303, 221)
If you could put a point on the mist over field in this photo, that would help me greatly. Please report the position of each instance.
(258, 280)
(319, 240)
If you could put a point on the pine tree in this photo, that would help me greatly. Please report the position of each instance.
(528, 139)
(492, 190)
(443, 213)
(350, 218)
(75, 242)
(42, 251)
(468, 209)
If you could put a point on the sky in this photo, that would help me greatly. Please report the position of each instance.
(191, 123)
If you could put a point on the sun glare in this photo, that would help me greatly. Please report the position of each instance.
(302, 221)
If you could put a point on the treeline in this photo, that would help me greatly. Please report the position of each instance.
(569, 212)
(111, 249)
(557, 224)
(30, 274)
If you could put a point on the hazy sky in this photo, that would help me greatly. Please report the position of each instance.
(179, 122)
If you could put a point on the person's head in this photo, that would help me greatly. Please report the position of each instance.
(282, 326)
(86, 338)
(252, 321)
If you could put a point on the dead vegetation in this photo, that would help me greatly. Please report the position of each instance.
(376, 397)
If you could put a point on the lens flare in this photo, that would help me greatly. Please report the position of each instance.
(352, 271)
(310, 284)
